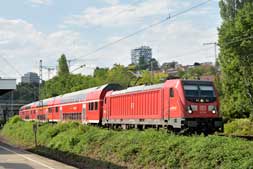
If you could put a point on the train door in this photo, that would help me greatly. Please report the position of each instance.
(172, 103)
(84, 113)
(61, 115)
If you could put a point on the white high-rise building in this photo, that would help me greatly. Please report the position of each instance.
(143, 51)
(30, 77)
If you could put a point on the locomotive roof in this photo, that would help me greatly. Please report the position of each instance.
(199, 82)
(138, 88)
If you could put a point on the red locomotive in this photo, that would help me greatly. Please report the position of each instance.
(176, 104)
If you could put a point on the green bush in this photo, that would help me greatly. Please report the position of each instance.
(134, 149)
(239, 127)
(14, 119)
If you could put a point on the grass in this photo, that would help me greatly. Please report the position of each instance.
(239, 127)
(134, 149)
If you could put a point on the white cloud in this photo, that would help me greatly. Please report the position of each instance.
(23, 46)
(169, 42)
(119, 14)
(40, 2)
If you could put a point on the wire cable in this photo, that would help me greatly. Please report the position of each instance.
(10, 65)
(3, 73)
(146, 28)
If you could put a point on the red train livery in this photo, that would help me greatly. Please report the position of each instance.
(175, 104)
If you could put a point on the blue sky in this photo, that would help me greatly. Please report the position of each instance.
(44, 29)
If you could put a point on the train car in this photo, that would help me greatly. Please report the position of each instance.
(85, 106)
(176, 104)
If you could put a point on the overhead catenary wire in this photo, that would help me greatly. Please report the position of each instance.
(192, 52)
(3, 73)
(10, 65)
(146, 28)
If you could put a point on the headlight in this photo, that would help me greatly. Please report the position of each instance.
(213, 111)
(189, 109)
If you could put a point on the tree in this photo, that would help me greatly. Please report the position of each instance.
(143, 64)
(169, 65)
(153, 64)
(197, 71)
(100, 74)
(236, 58)
(120, 74)
(25, 93)
(63, 68)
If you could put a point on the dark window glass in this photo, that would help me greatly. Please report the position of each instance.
(199, 91)
(191, 90)
(56, 109)
(206, 91)
(96, 105)
(89, 106)
(171, 92)
(92, 106)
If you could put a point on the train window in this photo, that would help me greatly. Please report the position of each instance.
(91, 106)
(191, 90)
(56, 109)
(171, 92)
(96, 106)
(206, 91)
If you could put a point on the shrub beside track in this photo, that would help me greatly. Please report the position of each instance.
(131, 148)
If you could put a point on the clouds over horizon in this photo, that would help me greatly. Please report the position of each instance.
(119, 14)
(23, 44)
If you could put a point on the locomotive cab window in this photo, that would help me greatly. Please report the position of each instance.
(56, 109)
(206, 91)
(191, 90)
(171, 92)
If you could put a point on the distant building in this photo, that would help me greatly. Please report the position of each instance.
(30, 78)
(143, 51)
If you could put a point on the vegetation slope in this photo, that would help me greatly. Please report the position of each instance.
(95, 147)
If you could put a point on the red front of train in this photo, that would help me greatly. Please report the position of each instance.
(177, 104)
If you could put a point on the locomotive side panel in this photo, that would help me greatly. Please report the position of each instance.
(141, 105)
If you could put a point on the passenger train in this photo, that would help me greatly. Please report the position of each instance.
(176, 104)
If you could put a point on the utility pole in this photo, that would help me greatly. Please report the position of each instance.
(49, 69)
(215, 49)
(151, 71)
(36, 125)
(40, 81)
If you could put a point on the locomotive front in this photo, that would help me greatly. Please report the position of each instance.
(201, 107)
